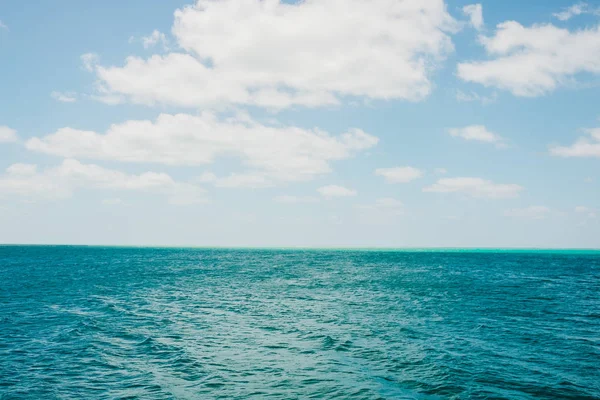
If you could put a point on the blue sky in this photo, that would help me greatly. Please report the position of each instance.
(326, 123)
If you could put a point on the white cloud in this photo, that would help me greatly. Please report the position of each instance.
(60, 181)
(532, 61)
(276, 55)
(475, 14)
(22, 169)
(583, 147)
(533, 212)
(278, 153)
(3, 25)
(89, 60)
(331, 191)
(288, 199)
(152, 40)
(7, 134)
(155, 38)
(570, 12)
(440, 171)
(475, 187)
(472, 96)
(65, 97)
(399, 174)
(477, 133)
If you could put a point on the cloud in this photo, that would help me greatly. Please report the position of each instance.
(570, 12)
(65, 97)
(278, 153)
(60, 181)
(532, 61)
(90, 60)
(440, 171)
(399, 174)
(588, 146)
(287, 199)
(475, 14)
(331, 191)
(533, 212)
(276, 55)
(472, 96)
(7, 135)
(22, 169)
(477, 133)
(475, 187)
(3, 25)
(155, 38)
(152, 40)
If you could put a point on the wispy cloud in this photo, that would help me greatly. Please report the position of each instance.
(532, 212)
(475, 187)
(573, 11)
(64, 97)
(399, 174)
(332, 191)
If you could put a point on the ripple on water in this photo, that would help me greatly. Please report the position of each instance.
(187, 323)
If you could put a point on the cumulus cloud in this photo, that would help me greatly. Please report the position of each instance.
(533, 212)
(399, 174)
(475, 14)
(477, 133)
(7, 134)
(288, 199)
(331, 191)
(60, 181)
(475, 187)
(155, 38)
(532, 61)
(275, 54)
(277, 153)
(65, 97)
(588, 146)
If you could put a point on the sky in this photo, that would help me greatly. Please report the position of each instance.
(321, 123)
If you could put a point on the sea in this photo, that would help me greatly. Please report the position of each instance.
(201, 323)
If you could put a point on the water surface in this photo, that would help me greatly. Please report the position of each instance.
(151, 323)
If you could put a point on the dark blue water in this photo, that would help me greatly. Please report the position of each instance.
(87, 323)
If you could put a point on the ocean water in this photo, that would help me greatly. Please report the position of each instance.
(152, 323)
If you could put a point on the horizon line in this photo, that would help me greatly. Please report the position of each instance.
(364, 248)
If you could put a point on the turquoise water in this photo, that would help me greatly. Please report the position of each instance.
(150, 323)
